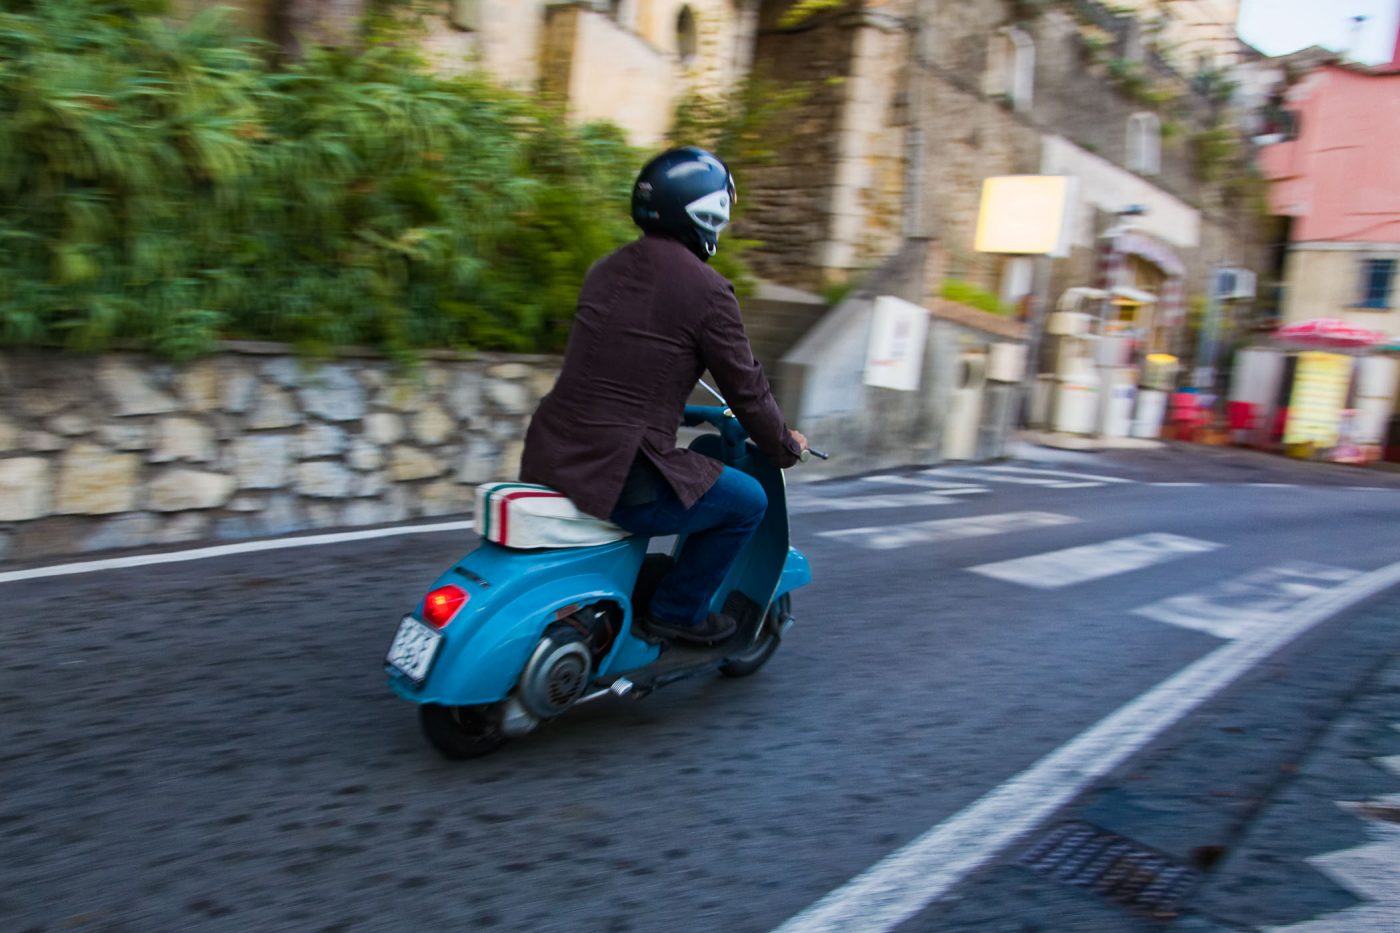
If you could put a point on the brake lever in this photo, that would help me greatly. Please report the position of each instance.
(809, 452)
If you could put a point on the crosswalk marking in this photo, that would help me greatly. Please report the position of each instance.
(1030, 476)
(1066, 474)
(985, 474)
(1056, 569)
(890, 537)
(893, 500)
(947, 489)
(1240, 607)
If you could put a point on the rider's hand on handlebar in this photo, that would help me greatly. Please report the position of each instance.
(808, 451)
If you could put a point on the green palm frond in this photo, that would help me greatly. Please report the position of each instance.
(161, 182)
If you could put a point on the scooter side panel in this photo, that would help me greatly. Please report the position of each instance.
(487, 644)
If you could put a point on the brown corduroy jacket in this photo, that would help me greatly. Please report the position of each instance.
(651, 318)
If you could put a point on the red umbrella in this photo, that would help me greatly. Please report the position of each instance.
(1328, 334)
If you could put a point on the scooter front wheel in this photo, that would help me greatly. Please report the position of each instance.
(756, 655)
(461, 732)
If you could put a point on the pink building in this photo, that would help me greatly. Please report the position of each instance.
(1336, 175)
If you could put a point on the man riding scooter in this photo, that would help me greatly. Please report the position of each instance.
(651, 318)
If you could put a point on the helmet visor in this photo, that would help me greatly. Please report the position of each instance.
(711, 213)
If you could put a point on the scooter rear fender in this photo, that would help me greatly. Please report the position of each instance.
(513, 596)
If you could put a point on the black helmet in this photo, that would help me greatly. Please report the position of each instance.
(687, 194)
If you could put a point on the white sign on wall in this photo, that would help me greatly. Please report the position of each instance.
(895, 357)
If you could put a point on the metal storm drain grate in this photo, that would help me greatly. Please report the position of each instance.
(1109, 865)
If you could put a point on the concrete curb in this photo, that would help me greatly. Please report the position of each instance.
(1063, 441)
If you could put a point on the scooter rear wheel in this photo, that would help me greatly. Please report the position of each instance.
(461, 732)
(756, 655)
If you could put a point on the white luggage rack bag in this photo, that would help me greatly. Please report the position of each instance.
(523, 515)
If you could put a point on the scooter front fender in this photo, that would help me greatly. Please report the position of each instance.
(796, 572)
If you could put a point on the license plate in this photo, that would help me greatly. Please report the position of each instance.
(415, 645)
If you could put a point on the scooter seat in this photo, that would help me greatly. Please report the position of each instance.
(526, 516)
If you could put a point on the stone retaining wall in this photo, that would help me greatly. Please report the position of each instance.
(122, 451)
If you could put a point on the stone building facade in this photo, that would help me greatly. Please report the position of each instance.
(929, 99)
(625, 61)
(1193, 35)
(934, 96)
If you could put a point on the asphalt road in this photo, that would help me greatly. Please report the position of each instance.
(210, 745)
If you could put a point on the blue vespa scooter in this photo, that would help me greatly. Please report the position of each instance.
(510, 638)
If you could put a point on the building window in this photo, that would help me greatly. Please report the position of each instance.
(1376, 278)
(1011, 68)
(687, 43)
(1022, 69)
(1144, 143)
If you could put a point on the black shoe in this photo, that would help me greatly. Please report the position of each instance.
(715, 628)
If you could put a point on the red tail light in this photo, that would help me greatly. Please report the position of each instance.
(442, 604)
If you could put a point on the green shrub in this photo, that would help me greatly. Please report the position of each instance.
(835, 291)
(974, 296)
(1217, 149)
(799, 11)
(163, 184)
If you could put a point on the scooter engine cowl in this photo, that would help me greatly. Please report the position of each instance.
(557, 674)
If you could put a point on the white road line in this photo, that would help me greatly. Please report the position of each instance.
(984, 475)
(223, 550)
(1274, 485)
(1238, 608)
(889, 537)
(909, 879)
(894, 500)
(948, 489)
(1177, 484)
(1055, 569)
(1066, 474)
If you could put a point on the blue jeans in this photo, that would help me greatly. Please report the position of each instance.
(717, 527)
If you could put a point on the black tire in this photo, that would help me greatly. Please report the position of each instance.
(757, 655)
(461, 732)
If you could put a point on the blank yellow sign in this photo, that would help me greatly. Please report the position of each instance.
(1023, 214)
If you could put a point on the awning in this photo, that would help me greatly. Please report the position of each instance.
(1128, 294)
(1328, 334)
